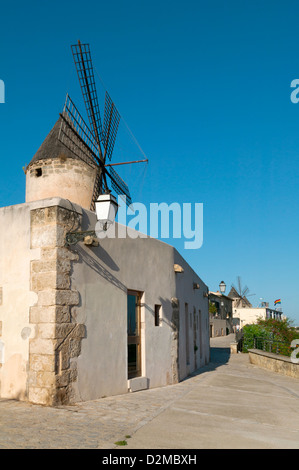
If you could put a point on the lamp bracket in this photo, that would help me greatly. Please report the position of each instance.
(89, 237)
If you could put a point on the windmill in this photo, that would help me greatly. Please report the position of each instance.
(93, 144)
(240, 294)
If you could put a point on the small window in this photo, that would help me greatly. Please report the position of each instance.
(38, 172)
(157, 315)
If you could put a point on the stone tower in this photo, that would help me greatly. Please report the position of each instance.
(55, 171)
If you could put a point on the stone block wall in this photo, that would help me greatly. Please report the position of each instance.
(71, 178)
(57, 340)
(274, 362)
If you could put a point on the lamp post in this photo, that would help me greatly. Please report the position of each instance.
(222, 287)
(106, 210)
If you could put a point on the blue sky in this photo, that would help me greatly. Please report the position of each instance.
(205, 89)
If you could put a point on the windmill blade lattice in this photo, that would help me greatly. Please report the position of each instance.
(94, 143)
(110, 126)
(117, 183)
(76, 135)
(83, 63)
(119, 186)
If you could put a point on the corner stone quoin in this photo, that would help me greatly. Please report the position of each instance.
(57, 338)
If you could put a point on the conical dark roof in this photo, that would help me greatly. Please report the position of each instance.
(52, 147)
(233, 294)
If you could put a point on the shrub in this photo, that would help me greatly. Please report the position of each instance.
(279, 331)
(250, 332)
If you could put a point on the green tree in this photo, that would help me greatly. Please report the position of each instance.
(212, 308)
(280, 332)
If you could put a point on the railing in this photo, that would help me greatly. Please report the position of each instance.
(239, 336)
(272, 346)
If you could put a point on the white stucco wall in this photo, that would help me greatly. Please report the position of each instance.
(15, 256)
(249, 315)
(198, 330)
(102, 276)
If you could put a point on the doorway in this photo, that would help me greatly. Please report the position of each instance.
(134, 334)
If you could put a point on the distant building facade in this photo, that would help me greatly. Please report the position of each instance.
(246, 316)
(221, 318)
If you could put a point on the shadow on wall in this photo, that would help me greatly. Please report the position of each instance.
(92, 260)
(96, 259)
(167, 316)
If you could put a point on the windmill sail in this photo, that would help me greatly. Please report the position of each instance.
(93, 144)
(83, 63)
(119, 186)
(240, 294)
(111, 122)
(76, 135)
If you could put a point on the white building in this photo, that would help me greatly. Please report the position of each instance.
(86, 321)
(245, 316)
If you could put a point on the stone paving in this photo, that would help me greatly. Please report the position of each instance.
(96, 424)
(198, 401)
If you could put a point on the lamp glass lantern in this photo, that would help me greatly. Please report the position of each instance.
(106, 209)
(222, 287)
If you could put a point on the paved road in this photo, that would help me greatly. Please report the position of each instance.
(229, 404)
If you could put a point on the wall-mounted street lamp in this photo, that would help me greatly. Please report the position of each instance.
(222, 287)
(106, 210)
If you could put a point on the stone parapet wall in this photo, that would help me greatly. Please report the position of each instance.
(274, 362)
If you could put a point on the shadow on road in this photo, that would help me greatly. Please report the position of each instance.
(219, 355)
